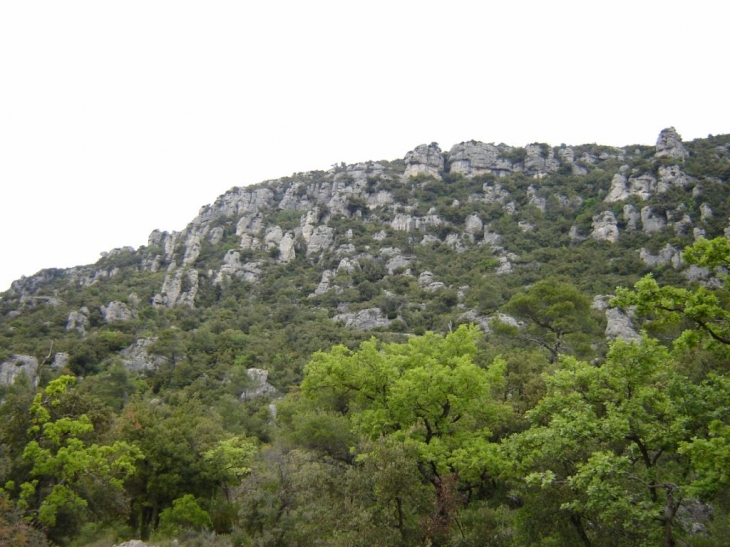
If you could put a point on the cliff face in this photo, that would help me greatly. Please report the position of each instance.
(374, 244)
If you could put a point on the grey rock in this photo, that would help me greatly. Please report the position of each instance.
(619, 190)
(17, 365)
(273, 237)
(117, 312)
(192, 249)
(619, 325)
(407, 223)
(260, 386)
(136, 357)
(60, 360)
(179, 289)
(526, 226)
(398, 262)
(78, 321)
(540, 161)
(651, 223)
(380, 236)
(325, 285)
(424, 160)
(216, 235)
(670, 176)
(322, 238)
(683, 226)
(605, 227)
(669, 144)
(473, 224)
(428, 239)
(231, 267)
(250, 224)
(575, 235)
(643, 186)
(705, 212)
(535, 200)
(666, 256)
(347, 265)
(379, 199)
(631, 217)
(287, 252)
(476, 158)
(456, 242)
(367, 319)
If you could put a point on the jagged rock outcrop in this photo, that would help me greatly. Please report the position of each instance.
(15, 366)
(618, 323)
(78, 321)
(321, 239)
(407, 223)
(425, 159)
(669, 145)
(117, 312)
(371, 318)
(137, 358)
(427, 283)
(631, 217)
(666, 256)
(179, 289)
(325, 285)
(670, 176)
(260, 386)
(476, 158)
(651, 221)
(619, 190)
(605, 227)
(540, 160)
(473, 225)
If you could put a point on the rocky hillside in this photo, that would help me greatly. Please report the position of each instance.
(270, 273)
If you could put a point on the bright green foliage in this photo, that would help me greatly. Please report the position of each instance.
(185, 514)
(604, 445)
(704, 312)
(231, 459)
(71, 475)
(427, 393)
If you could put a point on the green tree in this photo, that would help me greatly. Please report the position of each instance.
(604, 447)
(556, 313)
(427, 395)
(72, 480)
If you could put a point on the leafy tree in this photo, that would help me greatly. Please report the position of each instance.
(426, 394)
(604, 447)
(556, 313)
(72, 480)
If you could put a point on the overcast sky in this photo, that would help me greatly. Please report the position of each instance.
(119, 117)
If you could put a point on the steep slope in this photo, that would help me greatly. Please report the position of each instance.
(270, 273)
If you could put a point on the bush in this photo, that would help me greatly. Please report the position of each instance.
(185, 514)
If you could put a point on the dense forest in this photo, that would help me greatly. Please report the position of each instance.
(492, 346)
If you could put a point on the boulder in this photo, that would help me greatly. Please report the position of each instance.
(424, 160)
(117, 312)
(669, 145)
(651, 222)
(371, 318)
(136, 357)
(605, 227)
(17, 365)
(259, 387)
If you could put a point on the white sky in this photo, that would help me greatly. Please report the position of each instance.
(119, 117)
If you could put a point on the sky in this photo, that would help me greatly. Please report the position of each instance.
(121, 117)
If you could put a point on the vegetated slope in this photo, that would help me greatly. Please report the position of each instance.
(142, 395)
(278, 270)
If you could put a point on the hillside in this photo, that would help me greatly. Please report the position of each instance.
(222, 317)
